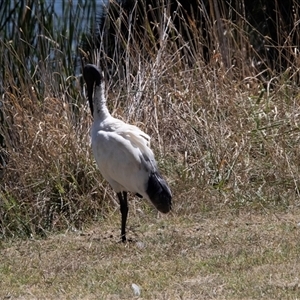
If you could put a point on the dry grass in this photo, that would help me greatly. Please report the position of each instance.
(229, 150)
(231, 134)
(217, 255)
(228, 141)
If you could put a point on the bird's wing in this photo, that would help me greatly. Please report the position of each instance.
(120, 163)
(136, 136)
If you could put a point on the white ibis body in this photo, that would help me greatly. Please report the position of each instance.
(122, 152)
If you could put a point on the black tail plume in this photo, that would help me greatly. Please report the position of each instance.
(159, 192)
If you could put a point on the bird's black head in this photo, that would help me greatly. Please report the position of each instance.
(92, 76)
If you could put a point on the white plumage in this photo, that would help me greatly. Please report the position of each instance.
(123, 153)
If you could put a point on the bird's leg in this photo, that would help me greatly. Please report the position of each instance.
(124, 213)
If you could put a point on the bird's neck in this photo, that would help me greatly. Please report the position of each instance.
(101, 111)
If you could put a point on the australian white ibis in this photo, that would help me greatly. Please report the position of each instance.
(122, 152)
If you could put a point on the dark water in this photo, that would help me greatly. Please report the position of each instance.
(58, 5)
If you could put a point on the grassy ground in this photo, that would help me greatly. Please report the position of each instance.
(220, 254)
